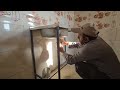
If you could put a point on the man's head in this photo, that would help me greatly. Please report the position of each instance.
(86, 33)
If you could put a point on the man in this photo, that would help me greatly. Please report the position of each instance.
(95, 59)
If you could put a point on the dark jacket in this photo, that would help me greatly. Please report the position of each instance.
(98, 53)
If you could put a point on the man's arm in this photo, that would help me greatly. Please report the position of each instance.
(72, 59)
(84, 54)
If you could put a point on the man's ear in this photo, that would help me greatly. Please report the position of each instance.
(86, 39)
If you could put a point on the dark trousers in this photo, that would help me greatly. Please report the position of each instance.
(89, 71)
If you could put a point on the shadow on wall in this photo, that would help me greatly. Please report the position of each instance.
(41, 53)
(41, 60)
(44, 55)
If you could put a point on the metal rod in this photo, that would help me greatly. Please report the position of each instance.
(57, 71)
(32, 51)
(58, 52)
(38, 76)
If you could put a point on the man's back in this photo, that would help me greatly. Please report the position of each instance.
(104, 57)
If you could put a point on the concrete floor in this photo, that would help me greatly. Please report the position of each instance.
(68, 72)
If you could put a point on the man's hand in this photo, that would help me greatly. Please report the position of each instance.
(63, 42)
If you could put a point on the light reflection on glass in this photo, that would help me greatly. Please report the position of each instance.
(6, 21)
(31, 15)
(30, 19)
(7, 27)
(31, 24)
(50, 59)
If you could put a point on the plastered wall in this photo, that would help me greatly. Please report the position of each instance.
(107, 22)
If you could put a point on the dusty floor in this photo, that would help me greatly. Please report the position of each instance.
(68, 72)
